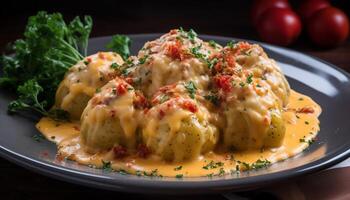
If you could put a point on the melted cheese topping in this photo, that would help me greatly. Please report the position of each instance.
(301, 130)
(82, 80)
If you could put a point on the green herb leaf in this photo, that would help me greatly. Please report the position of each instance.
(191, 89)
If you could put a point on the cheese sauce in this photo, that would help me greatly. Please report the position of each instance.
(301, 129)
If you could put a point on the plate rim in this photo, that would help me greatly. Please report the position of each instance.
(173, 186)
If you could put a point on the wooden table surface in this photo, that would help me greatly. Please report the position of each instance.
(218, 19)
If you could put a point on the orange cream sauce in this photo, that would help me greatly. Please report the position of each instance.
(301, 130)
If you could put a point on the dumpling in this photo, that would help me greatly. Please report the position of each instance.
(253, 57)
(252, 104)
(177, 126)
(109, 118)
(175, 56)
(82, 80)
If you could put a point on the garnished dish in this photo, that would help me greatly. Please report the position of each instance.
(182, 107)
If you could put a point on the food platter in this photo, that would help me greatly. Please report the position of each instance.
(326, 84)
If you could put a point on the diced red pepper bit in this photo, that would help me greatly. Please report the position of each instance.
(129, 80)
(189, 105)
(121, 88)
(140, 101)
(230, 60)
(143, 151)
(173, 31)
(89, 59)
(307, 110)
(161, 114)
(223, 82)
(244, 45)
(174, 51)
(119, 151)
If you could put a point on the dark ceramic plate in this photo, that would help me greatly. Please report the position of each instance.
(325, 83)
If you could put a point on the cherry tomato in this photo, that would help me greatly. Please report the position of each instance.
(328, 27)
(279, 26)
(260, 6)
(309, 7)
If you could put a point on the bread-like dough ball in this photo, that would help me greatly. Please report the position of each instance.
(82, 80)
(253, 57)
(178, 129)
(175, 56)
(253, 92)
(109, 118)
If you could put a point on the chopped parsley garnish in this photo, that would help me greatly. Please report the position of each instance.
(301, 99)
(115, 65)
(241, 84)
(310, 141)
(178, 168)
(163, 98)
(86, 63)
(98, 90)
(38, 137)
(256, 165)
(210, 175)
(260, 164)
(191, 89)
(143, 60)
(197, 54)
(250, 79)
(221, 172)
(107, 166)
(214, 99)
(232, 44)
(179, 176)
(213, 165)
(211, 63)
(192, 35)
(213, 44)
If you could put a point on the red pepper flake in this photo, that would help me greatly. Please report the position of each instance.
(244, 45)
(122, 88)
(230, 60)
(161, 113)
(76, 128)
(189, 105)
(89, 59)
(140, 101)
(223, 82)
(173, 31)
(174, 51)
(306, 110)
(143, 151)
(119, 151)
(129, 80)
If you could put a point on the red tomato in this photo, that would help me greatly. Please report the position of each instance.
(309, 7)
(328, 27)
(279, 26)
(260, 6)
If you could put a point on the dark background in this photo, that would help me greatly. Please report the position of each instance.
(125, 17)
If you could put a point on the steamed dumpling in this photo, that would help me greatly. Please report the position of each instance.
(253, 92)
(175, 56)
(177, 126)
(109, 118)
(82, 80)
